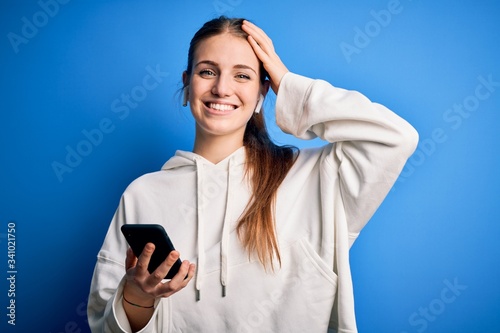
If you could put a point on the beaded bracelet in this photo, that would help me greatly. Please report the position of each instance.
(137, 305)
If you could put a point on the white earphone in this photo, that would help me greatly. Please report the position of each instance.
(259, 104)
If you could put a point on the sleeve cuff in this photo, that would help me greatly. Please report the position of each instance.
(290, 104)
(118, 321)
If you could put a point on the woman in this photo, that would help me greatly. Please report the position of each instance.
(269, 228)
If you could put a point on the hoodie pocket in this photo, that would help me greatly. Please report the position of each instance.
(313, 263)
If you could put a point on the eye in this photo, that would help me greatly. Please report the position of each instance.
(207, 72)
(243, 77)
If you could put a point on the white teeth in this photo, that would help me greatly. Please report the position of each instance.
(221, 107)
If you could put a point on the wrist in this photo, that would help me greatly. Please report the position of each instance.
(275, 84)
(137, 305)
(136, 298)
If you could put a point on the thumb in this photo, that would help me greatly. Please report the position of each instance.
(131, 259)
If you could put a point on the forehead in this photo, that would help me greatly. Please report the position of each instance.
(226, 50)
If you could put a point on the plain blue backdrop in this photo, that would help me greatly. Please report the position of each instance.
(90, 101)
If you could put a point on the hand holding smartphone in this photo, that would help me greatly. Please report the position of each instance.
(138, 235)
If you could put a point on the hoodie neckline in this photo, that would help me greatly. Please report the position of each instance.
(187, 158)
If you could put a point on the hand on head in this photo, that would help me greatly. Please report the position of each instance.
(264, 49)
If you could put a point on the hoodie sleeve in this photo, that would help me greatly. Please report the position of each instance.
(371, 147)
(105, 311)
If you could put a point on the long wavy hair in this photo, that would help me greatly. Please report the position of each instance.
(267, 163)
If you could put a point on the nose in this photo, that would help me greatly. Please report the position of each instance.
(222, 86)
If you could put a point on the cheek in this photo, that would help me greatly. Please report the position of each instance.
(194, 89)
(250, 95)
(198, 86)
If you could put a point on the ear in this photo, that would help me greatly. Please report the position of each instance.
(185, 78)
(185, 89)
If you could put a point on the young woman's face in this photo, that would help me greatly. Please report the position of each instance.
(224, 87)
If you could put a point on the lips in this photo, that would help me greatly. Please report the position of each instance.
(221, 107)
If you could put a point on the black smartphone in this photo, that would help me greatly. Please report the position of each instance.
(138, 235)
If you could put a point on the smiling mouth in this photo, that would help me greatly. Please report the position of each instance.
(221, 107)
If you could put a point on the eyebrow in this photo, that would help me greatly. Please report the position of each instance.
(213, 63)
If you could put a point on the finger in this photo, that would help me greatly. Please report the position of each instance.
(190, 275)
(259, 35)
(161, 271)
(261, 54)
(180, 280)
(263, 47)
(144, 258)
(131, 259)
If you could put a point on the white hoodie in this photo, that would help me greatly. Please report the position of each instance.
(327, 197)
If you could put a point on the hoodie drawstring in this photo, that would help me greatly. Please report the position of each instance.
(224, 245)
(200, 228)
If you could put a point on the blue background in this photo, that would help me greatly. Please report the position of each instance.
(439, 226)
